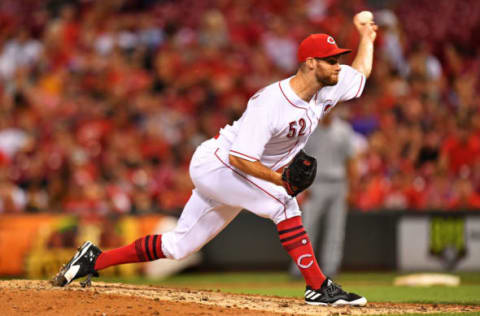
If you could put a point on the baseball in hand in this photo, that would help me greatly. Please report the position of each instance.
(364, 17)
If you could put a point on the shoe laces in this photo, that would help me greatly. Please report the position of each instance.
(334, 288)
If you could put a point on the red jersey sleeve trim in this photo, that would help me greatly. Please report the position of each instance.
(360, 89)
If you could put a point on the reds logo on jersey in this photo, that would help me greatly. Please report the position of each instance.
(328, 105)
(327, 108)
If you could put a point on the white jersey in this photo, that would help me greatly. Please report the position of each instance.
(277, 123)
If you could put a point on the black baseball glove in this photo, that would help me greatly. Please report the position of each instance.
(300, 173)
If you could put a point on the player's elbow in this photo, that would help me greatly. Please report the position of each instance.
(235, 161)
(239, 163)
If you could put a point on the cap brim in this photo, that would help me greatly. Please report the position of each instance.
(336, 52)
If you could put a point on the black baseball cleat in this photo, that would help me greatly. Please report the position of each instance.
(332, 294)
(82, 264)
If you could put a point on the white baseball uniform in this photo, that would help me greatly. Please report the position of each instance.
(273, 129)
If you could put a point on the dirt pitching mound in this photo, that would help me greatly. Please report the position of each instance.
(25, 297)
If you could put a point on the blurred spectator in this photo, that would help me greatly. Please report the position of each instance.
(391, 44)
(214, 32)
(103, 102)
(465, 198)
(21, 51)
(279, 46)
(460, 151)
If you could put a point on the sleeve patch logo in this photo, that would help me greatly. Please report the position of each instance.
(327, 108)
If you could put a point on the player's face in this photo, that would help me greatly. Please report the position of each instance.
(327, 70)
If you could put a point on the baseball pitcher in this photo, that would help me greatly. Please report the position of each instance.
(257, 164)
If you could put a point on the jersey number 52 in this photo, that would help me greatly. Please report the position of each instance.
(292, 130)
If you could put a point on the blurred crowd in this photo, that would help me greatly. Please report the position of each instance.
(102, 103)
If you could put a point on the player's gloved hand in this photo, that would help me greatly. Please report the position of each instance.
(300, 173)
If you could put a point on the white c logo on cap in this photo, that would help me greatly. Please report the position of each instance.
(304, 266)
(331, 40)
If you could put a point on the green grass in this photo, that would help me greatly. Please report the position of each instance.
(377, 287)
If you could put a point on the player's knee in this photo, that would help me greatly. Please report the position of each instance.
(174, 247)
(289, 210)
(179, 255)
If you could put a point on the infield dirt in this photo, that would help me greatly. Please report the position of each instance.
(27, 297)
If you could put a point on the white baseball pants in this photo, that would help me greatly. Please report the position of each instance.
(220, 193)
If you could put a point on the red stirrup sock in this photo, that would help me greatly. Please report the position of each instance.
(147, 248)
(295, 241)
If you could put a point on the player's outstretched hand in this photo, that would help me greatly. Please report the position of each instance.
(365, 25)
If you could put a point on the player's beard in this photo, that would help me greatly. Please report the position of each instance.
(327, 80)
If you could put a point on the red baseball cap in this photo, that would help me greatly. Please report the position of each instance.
(320, 46)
